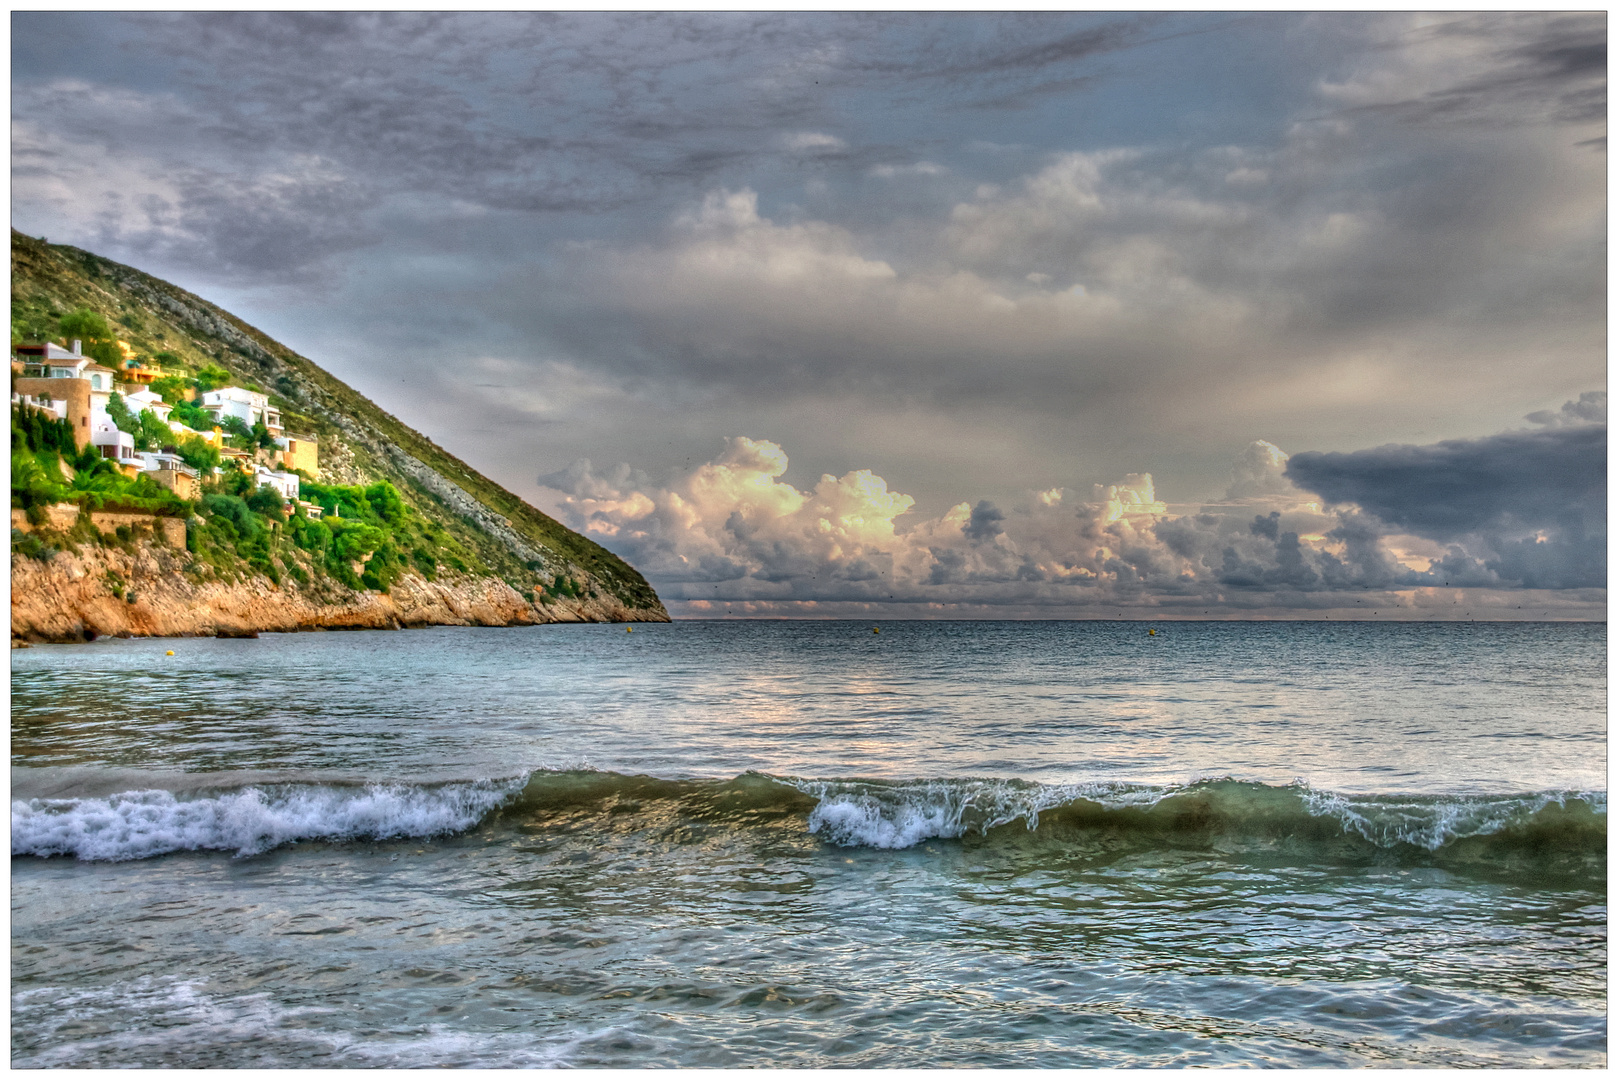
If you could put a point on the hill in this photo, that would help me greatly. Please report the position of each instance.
(446, 544)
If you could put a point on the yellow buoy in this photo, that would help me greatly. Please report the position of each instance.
(1151, 633)
(171, 652)
(876, 629)
(629, 629)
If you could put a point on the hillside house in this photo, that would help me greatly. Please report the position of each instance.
(168, 470)
(248, 406)
(299, 452)
(116, 445)
(134, 371)
(146, 401)
(284, 483)
(51, 361)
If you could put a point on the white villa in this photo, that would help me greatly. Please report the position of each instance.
(248, 406)
(146, 401)
(285, 483)
(114, 443)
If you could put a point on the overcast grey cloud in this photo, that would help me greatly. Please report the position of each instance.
(1522, 479)
(1531, 506)
(976, 257)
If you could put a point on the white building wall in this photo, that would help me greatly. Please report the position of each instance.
(106, 436)
(283, 482)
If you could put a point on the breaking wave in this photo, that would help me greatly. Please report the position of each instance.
(248, 821)
(877, 814)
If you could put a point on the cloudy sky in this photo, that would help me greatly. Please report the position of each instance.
(905, 314)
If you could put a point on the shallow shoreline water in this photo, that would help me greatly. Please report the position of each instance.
(807, 845)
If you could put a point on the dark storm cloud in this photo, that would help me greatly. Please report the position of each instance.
(1521, 479)
(986, 522)
(277, 228)
(1526, 508)
(1039, 55)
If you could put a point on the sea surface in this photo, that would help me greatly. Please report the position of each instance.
(810, 844)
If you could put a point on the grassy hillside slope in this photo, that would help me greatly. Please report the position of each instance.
(359, 442)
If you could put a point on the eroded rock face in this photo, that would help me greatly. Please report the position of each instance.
(146, 592)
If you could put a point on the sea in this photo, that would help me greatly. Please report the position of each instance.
(787, 844)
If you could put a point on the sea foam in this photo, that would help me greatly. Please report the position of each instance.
(901, 815)
(140, 824)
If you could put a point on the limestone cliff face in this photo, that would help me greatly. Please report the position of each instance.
(145, 591)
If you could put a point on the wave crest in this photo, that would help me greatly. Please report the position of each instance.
(878, 814)
(140, 824)
(847, 812)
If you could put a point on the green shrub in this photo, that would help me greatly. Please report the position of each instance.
(267, 501)
(31, 546)
(192, 415)
(210, 377)
(355, 540)
(118, 409)
(198, 454)
(85, 325)
(234, 512)
(426, 561)
(311, 536)
(36, 429)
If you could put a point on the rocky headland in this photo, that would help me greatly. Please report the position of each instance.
(387, 529)
(148, 589)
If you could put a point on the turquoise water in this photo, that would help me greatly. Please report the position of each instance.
(806, 844)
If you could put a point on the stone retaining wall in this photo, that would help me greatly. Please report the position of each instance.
(63, 516)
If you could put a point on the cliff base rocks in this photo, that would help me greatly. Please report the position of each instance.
(147, 589)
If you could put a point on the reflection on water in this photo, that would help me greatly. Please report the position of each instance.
(1363, 707)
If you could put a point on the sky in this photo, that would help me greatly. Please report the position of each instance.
(1042, 315)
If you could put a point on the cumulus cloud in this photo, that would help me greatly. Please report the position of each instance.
(1261, 470)
(732, 530)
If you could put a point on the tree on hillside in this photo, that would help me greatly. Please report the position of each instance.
(154, 434)
(90, 328)
(198, 454)
(118, 410)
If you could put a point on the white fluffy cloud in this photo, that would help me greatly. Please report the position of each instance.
(732, 535)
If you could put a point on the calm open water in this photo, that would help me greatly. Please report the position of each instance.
(806, 844)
